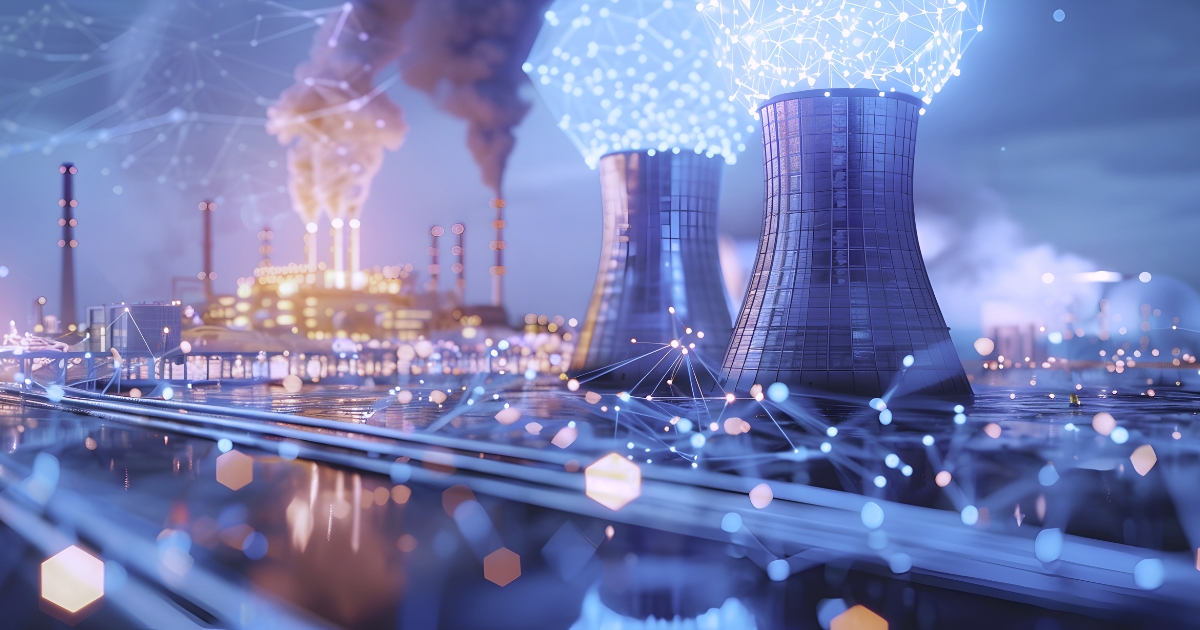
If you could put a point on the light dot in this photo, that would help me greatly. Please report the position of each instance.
(970, 515)
(1059, 15)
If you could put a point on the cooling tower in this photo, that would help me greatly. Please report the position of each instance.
(658, 251)
(839, 295)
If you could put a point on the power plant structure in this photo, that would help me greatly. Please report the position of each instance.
(67, 310)
(839, 298)
(660, 272)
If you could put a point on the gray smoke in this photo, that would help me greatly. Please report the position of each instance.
(467, 55)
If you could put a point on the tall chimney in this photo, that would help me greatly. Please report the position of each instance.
(68, 245)
(459, 268)
(265, 248)
(206, 274)
(337, 228)
(498, 269)
(356, 278)
(434, 268)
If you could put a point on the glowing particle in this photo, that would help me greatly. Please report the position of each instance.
(235, 470)
(970, 515)
(1143, 459)
(502, 566)
(880, 481)
(778, 392)
(927, 440)
(533, 427)
(1048, 545)
(508, 416)
(761, 496)
(1059, 15)
(404, 397)
(992, 430)
(592, 398)
(72, 579)
(858, 617)
(565, 437)
(885, 417)
(1048, 277)
(613, 481)
(1144, 276)
(872, 515)
(573, 385)
(778, 570)
(1048, 475)
(292, 384)
(900, 563)
(1120, 435)
(909, 360)
(878, 404)
(943, 479)
(731, 522)
(224, 445)
(1148, 574)
(438, 396)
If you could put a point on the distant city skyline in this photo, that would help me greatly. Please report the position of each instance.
(1098, 166)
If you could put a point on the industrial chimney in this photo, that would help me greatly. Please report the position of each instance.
(68, 244)
(206, 274)
(459, 268)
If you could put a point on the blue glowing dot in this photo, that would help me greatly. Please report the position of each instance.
(697, 440)
(503, 345)
(1148, 574)
(1048, 545)
(885, 417)
(778, 570)
(831, 431)
(3, 271)
(880, 481)
(1059, 15)
(778, 392)
(731, 522)
(872, 515)
(959, 408)
(55, 393)
(684, 425)
(909, 360)
(629, 445)
(289, 450)
(927, 440)
(1119, 435)
(877, 404)
(1055, 337)
(1048, 476)
(255, 546)
(168, 393)
(400, 472)
(892, 460)
(224, 445)
(959, 418)
(826, 447)
(970, 515)
(900, 563)
(907, 471)
(530, 374)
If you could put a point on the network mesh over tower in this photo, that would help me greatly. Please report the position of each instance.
(839, 295)
(659, 251)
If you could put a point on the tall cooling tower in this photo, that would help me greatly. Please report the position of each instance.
(839, 295)
(659, 250)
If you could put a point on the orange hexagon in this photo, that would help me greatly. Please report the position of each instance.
(613, 481)
(858, 617)
(502, 566)
(235, 470)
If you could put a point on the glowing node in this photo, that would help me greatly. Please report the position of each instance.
(943, 479)
(502, 566)
(761, 496)
(858, 617)
(613, 481)
(235, 470)
(72, 579)
(984, 346)
(1143, 459)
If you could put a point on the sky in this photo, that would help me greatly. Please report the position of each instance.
(1063, 146)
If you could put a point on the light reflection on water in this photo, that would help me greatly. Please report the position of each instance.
(362, 551)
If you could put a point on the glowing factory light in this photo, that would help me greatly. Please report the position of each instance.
(770, 48)
(235, 470)
(72, 579)
(634, 76)
(613, 481)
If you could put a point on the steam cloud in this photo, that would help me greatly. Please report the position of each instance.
(467, 55)
(336, 121)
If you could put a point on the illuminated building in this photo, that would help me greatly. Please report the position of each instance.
(636, 89)
(135, 328)
(67, 313)
(839, 297)
(659, 271)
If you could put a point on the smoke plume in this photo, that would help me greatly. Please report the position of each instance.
(336, 121)
(467, 55)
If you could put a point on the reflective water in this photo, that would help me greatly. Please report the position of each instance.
(339, 546)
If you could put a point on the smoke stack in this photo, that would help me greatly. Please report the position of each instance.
(498, 270)
(337, 234)
(459, 268)
(265, 248)
(68, 244)
(206, 274)
(840, 298)
(434, 268)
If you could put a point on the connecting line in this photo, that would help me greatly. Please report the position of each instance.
(781, 431)
(635, 385)
(598, 372)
